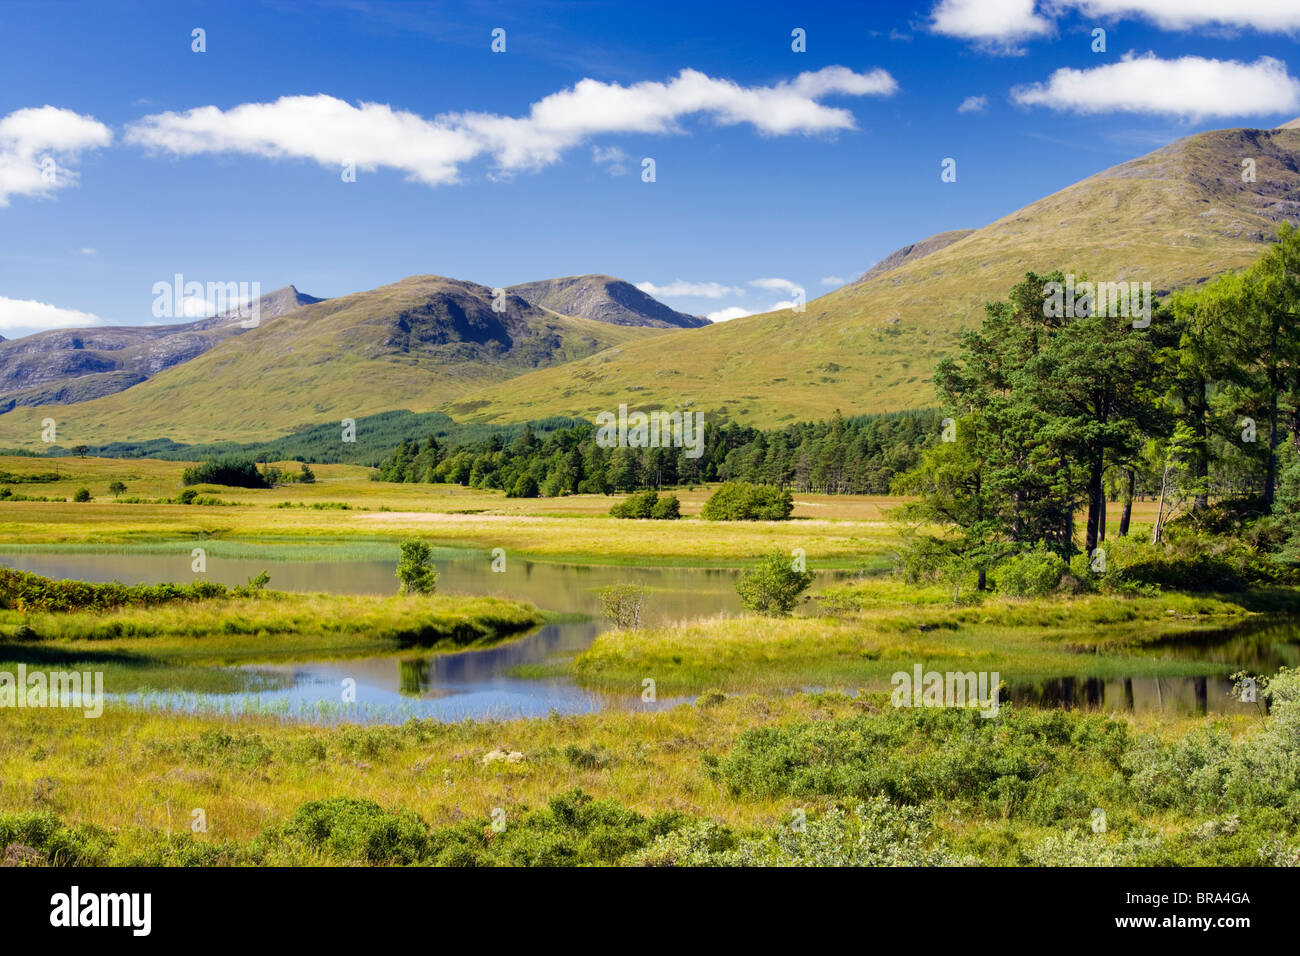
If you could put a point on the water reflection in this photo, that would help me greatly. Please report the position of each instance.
(1176, 695)
(478, 683)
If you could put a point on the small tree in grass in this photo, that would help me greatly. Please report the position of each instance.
(83, 494)
(774, 586)
(622, 603)
(116, 488)
(415, 570)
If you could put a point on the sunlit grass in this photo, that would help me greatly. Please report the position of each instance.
(1023, 640)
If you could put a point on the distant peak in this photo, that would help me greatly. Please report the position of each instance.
(1293, 124)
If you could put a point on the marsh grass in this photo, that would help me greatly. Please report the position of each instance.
(1019, 792)
(188, 648)
(887, 630)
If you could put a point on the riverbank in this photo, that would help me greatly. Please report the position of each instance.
(721, 781)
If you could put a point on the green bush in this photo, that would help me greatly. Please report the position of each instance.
(359, 830)
(1032, 574)
(23, 591)
(415, 570)
(236, 472)
(742, 501)
(1186, 559)
(875, 834)
(667, 508)
(638, 505)
(774, 586)
(525, 486)
(622, 603)
(83, 494)
(1017, 763)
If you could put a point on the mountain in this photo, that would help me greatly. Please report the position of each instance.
(604, 299)
(64, 366)
(415, 344)
(1174, 217)
(910, 253)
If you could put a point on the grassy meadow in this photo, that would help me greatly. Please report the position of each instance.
(789, 716)
(835, 531)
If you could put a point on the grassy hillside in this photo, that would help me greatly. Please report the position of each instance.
(1173, 217)
(415, 344)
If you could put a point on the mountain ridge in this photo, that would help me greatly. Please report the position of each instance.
(1175, 216)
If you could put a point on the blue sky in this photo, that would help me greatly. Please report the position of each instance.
(759, 175)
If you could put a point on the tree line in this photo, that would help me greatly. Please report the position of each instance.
(1050, 415)
(841, 456)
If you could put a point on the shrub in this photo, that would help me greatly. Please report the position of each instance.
(622, 603)
(667, 508)
(22, 591)
(187, 496)
(648, 504)
(1187, 560)
(877, 833)
(236, 472)
(640, 505)
(415, 568)
(1032, 574)
(774, 586)
(116, 488)
(742, 501)
(359, 830)
(83, 494)
(525, 487)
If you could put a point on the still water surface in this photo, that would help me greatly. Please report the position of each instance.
(478, 683)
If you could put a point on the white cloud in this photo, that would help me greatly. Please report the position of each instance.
(36, 144)
(995, 23)
(726, 315)
(331, 131)
(87, 252)
(782, 285)
(778, 306)
(680, 289)
(1266, 16)
(974, 104)
(832, 280)
(29, 315)
(1190, 87)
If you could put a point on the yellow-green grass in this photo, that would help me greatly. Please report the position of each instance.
(277, 625)
(835, 531)
(1091, 636)
(1173, 217)
(126, 769)
(186, 645)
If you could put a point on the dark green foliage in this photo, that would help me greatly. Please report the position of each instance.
(639, 505)
(23, 591)
(236, 472)
(360, 831)
(742, 501)
(415, 570)
(525, 487)
(83, 494)
(859, 455)
(667, 508)
(774, 586)
(1031, 574)
(1047, 765)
